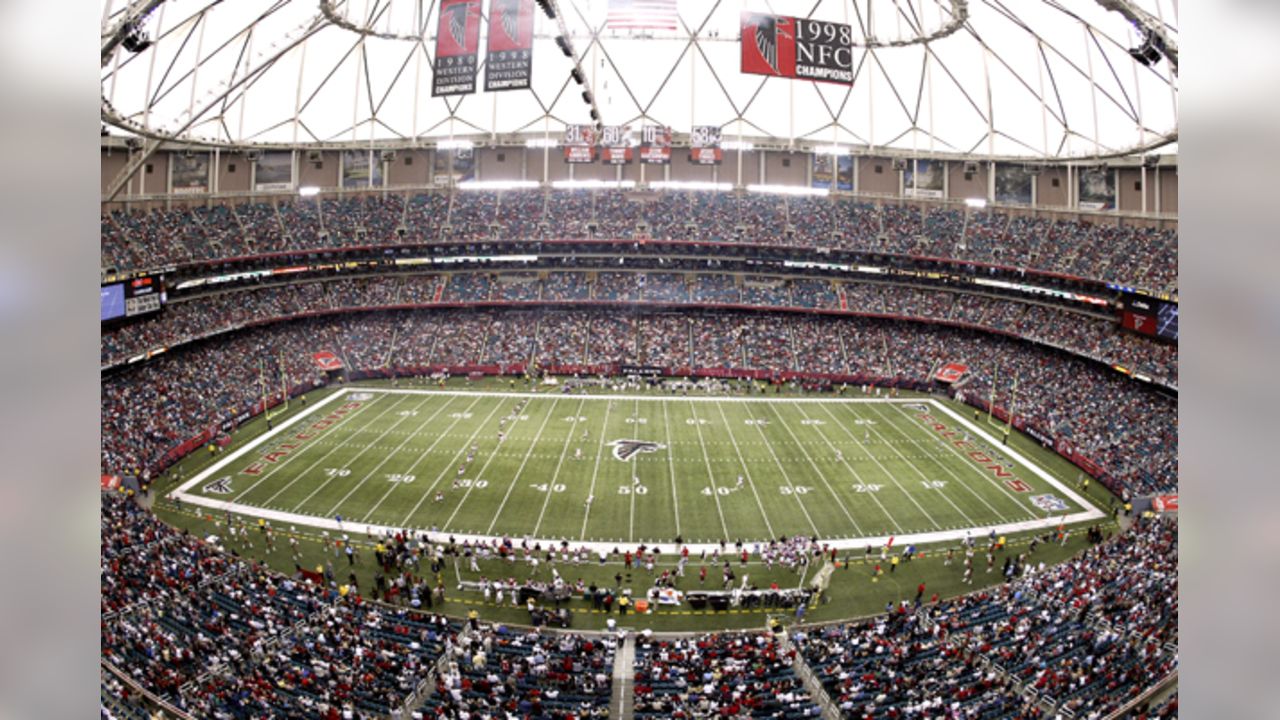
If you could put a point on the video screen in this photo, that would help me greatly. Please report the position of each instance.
(112, 301)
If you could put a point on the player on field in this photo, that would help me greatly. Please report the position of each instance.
(739, 485)
(577, 453)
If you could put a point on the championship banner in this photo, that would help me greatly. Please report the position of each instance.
(796, 48)
(326, 360)
(579, 144)
(457, 48)
(655, 145)
(509, 65)
(704, 145)
(615, 145)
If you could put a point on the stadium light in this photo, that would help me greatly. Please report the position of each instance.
(497, 184)
(976, 202)
(593, 184)
(541, 143)
(308, 190)
(787, 190)
(737, 145)
(706, 185)
(832, 150)
(454, 144)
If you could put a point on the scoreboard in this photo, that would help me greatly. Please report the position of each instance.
(1149, 316)
(132, 298)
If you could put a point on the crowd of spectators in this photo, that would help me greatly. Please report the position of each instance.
(728, 675)
(217, 636)
(1087, 635)
(1128, 254)
(1089, 335)
(501, 672)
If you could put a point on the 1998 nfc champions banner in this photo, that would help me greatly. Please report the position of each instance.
(797, 48)
(457, 48)
(510, 62)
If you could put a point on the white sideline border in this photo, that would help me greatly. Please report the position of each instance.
(280, 516)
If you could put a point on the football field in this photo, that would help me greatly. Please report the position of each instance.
(636, 468)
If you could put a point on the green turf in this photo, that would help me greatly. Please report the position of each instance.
(835, 469)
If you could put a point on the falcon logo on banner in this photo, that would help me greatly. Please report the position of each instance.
(457, 48)
(624, 450)
(510, 62)
(768, 45)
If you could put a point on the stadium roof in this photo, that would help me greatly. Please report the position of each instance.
(992, 78)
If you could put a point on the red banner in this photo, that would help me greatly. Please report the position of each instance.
(768, 45)
(110, 482)
(615, 155)
(1165, 503)
(510, 62)
(457, 48)
(327, 361)
(951, 372)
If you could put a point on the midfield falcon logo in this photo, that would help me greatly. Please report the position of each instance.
(624, 450)
(221, 486)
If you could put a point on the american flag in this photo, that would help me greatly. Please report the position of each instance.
(642, 15)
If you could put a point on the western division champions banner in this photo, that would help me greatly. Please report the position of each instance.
(190, 174)
(273, 171)
(655, 145)
(510, 62)
(615, 145)
(796, 48)
(704, 145)
(579, 144)
(457, 48)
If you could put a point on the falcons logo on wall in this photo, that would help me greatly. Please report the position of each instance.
(458, 23)
(624, 450)
(508, 12)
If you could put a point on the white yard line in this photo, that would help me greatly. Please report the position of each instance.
(856, 475)
(595, 470)
(812, 464)
(321, 459)
(423, 455)
(520, 470)
(880, 465)
(409, 436)
(746, 472)
(966, 462)
(671, 464)
(635, 472)
(357, 456)
(923, 477)
(945, 467)
(556, 474)
(449, 465)
(711, 478)
(746, 469)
